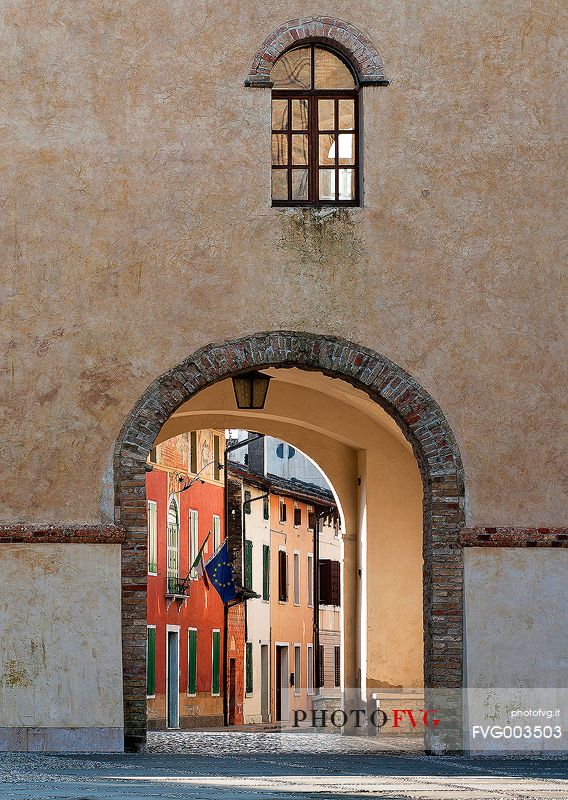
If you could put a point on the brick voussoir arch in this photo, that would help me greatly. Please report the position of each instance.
(336, 33)
(419, 417)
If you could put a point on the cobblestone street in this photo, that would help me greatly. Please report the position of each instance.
(263, 766)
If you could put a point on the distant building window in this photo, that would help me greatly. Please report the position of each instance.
(246, 504)
(296, 579)
(285, 451)
(151, 661)
(321, 665)
(215, 662)
(310, 571)
(297, 669)
(282, 511)
(154, 455)
(216, 532)
(193, 451)
(248, 564)
(266, 508)
(282, 576)
(310, 665)
(193, 543)
(265, 572)
(192, 661)
(152, 537)
(311, 519)
(297, 517)
(337, 665)
(329, 582)
(249, 683)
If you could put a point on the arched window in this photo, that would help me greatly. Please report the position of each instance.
(173, 546)
(314, 129)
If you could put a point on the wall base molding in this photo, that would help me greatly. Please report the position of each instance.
(61, 740)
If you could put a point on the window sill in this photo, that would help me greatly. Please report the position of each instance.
(150, 697)
(191, 694)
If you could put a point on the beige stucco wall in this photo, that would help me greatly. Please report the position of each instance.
(68, 674)
(136, 227)
(515, 603)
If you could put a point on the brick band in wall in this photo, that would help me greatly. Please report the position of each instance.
(63, 534)
(514, 537)
(336, 33)
(417, 414)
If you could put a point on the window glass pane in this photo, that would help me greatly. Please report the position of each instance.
(300, 115)
(326, 114)
(299, 184)
(327, 184)
(279, 148)
(299, 149)
(279, 184)
(346, 148)
(293, 70)
(346, 184)
(279, 115)
(327, 148)
(346, 115)
(331, 72)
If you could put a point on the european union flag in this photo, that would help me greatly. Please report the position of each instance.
(219, 571)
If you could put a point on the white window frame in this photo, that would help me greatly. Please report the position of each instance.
(297, 677)
(216, 531)
(152, 535)
(173, 548)
(310, 667)
(296, 585)
(310, 579)
(193, 541)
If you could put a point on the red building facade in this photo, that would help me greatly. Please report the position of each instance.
(185, 620)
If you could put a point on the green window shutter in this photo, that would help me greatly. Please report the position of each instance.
(151, 662)
(248, 565)
(215, 686)
(192, 662)
(248, 668)
(265, 572)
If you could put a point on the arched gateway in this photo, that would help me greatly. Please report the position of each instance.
(419, 417)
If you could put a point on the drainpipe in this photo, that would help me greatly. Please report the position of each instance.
(316, 655)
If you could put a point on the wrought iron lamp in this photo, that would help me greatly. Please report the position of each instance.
(251, 389)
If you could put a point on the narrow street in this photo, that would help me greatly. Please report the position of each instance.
(243, 766)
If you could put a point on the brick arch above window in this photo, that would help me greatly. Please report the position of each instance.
(342, 36)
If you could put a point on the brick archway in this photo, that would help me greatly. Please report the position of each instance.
(340, 35)
(417, 414)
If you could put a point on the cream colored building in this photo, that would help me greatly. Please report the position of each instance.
(415, 339)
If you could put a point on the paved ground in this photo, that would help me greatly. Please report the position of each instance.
(272, 766)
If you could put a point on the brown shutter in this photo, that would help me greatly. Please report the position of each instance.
(335, 583)
(325, 581)
(282, 578)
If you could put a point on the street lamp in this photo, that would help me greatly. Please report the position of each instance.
(251, 389)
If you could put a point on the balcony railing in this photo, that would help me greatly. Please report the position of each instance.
(178, 587)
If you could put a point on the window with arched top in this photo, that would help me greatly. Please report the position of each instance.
(314, 129)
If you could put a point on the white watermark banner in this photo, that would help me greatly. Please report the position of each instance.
(494, 720)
